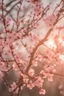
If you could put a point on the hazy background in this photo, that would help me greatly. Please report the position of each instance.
(51, 87)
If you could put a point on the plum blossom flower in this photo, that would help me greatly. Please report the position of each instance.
(25, 79)
(50, 20)
(10, 38)
(48, 72)
(50, 77)
(35, 63)
(1, 74)
(31, 72)
(22, 86)
(42, 91)
(13, 86)
(49, 69)
(16, 91)
(15, 67)
(39, 82)
(30, 85)
(1, 65)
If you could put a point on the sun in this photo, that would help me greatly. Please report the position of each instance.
(51, 44)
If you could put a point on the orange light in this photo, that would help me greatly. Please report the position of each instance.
(63, 43)
(60, 40)
(51, 44)
(61, 57)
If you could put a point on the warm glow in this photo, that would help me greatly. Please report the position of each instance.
(61, 57)
(63, 43)
(51, 43)
(60, 40)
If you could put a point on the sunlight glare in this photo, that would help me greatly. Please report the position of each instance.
(51, 44)
(61, 57)
(60, 40)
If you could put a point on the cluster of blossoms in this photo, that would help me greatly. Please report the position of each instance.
(13, 87)
(50, 20)
(48, 72)
(19, 46)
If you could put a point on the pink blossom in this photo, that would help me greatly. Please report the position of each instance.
(16, 91)
(42, 91)
(31, 72)
(25, 79)
(35, 63)
(50, 77)
(39, 82)
(15, 67)
(1, 65)
(13, 86)
(30, 85)
(50, 20)
(1, 74)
